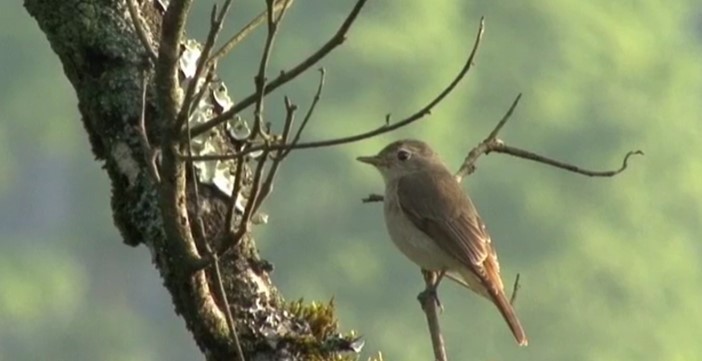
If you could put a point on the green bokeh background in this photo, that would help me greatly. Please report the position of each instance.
(610, 267)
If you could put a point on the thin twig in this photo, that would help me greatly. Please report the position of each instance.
(231, 209)
(248, 210)
(216, 21)
(141, 32)
(201, 93)
(150, 153)
(215, 259)
(260, 78)
(525, 154)
(310, 110)
(267, 186)
(515, 288)
(373, 198)
(426, 110)
(227, 309)
(280, 5)
(336, 40)
(506, 117)
(430, 305)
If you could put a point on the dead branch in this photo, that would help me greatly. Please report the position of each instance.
(493, 144)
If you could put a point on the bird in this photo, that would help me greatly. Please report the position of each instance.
(436, 225)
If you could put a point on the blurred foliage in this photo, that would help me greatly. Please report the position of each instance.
(609, 267)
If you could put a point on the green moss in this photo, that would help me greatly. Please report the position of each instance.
(323, 342)
(320, 317)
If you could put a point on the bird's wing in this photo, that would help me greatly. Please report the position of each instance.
(436, 204)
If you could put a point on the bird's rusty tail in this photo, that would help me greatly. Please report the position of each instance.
(507, 311)
(493, 291)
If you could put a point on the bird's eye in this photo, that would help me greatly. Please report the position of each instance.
(403, 155)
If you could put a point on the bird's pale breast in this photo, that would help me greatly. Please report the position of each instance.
(411, 241)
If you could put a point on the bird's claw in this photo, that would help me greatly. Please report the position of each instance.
(430, 295)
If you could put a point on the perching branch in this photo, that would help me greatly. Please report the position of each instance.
(429, 301)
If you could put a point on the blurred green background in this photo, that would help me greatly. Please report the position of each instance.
(609, 266)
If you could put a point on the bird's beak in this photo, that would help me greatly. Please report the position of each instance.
(374, 160)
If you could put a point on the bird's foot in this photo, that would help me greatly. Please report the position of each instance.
(430, 293)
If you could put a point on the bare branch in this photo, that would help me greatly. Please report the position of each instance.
(244, 224)
(426, 110)
(494, 144)
(260, 78)
(285, 77)
(525, 154)
(267, 186)
(231, 209)
(141, 32)
(280, 5)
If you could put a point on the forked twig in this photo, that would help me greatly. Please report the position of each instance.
(494, 144)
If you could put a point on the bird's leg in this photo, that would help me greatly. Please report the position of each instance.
(432, 280)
